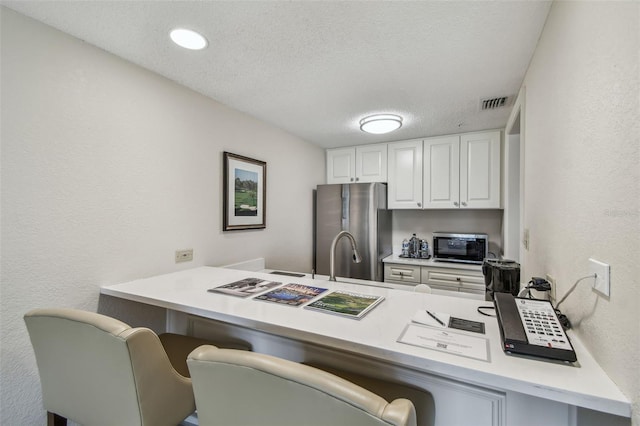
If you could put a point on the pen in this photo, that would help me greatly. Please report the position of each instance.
(436, 318)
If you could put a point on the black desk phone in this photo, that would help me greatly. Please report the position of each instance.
(531, 327)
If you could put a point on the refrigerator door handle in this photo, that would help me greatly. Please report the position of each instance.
(346, 200)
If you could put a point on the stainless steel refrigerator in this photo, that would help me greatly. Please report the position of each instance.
(361, 209)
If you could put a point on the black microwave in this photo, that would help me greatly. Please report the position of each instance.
(462, 248)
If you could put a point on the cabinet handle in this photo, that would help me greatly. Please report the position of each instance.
(419, 204)
(458, 279)
(455, 203)
(357, 179)
(351, 179)
(401, 272)
(464, 204)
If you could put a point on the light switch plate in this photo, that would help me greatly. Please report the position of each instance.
(602, 282)
(184, 255)
(525, 239)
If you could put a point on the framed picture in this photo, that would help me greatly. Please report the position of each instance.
(244, 192)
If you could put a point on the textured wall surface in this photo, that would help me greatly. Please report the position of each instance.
(314, 67)
(582, 183)
(107, 169)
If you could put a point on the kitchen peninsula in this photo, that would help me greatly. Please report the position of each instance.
(501, 390)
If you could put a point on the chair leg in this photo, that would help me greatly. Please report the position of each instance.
(55, 420)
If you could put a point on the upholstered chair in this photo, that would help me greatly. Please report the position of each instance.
(96, 370)
(422, 288)
(178, 348)
(234, 387)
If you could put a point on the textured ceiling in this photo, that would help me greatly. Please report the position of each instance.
(315, 68)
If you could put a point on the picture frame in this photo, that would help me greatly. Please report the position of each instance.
(244, 192)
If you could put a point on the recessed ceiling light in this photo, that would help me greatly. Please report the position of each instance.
(188, 39)
(380, 123)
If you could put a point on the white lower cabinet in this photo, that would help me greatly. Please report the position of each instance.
(468, 281)
(402, 274)
(451, 279)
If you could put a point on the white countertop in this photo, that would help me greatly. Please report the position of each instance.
(395, 258)
(584, 384)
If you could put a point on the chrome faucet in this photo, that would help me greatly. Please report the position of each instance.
(332, 254)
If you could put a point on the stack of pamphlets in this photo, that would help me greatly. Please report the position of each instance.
(339, 302)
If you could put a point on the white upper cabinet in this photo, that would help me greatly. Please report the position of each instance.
(446, 172)
(341, 165)
(405, 175)
(371, 163)
(480, 170)
(462, 171)
(442, 172)
(366, 163)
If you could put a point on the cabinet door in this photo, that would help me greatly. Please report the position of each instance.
(405, 175)
(341, 164)
(480, 170)
(455, 279)
(442, 173)
(401, 273)
(371, 163)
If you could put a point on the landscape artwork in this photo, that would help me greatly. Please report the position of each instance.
(244, 192)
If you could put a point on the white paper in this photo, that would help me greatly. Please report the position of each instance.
(423, 317)
(446, 341)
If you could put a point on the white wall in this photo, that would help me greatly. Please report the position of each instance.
(107, 169)
(582, 165)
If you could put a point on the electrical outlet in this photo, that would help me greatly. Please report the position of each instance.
(602, 271)
(552, 293)
(184, 255)
(525, 239)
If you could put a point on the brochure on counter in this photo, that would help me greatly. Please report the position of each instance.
(291, 294)
(344, 303)
(246, 287)
(435, 330)
(447, 341)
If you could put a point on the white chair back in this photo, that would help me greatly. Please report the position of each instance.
(234, 387)
(96, 370)
(422, 288)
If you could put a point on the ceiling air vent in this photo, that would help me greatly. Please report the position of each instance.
(493, 103)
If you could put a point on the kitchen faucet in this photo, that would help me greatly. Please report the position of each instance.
(332, 254)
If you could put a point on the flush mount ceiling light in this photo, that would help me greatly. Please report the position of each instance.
(380, 123)
(188, 39)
